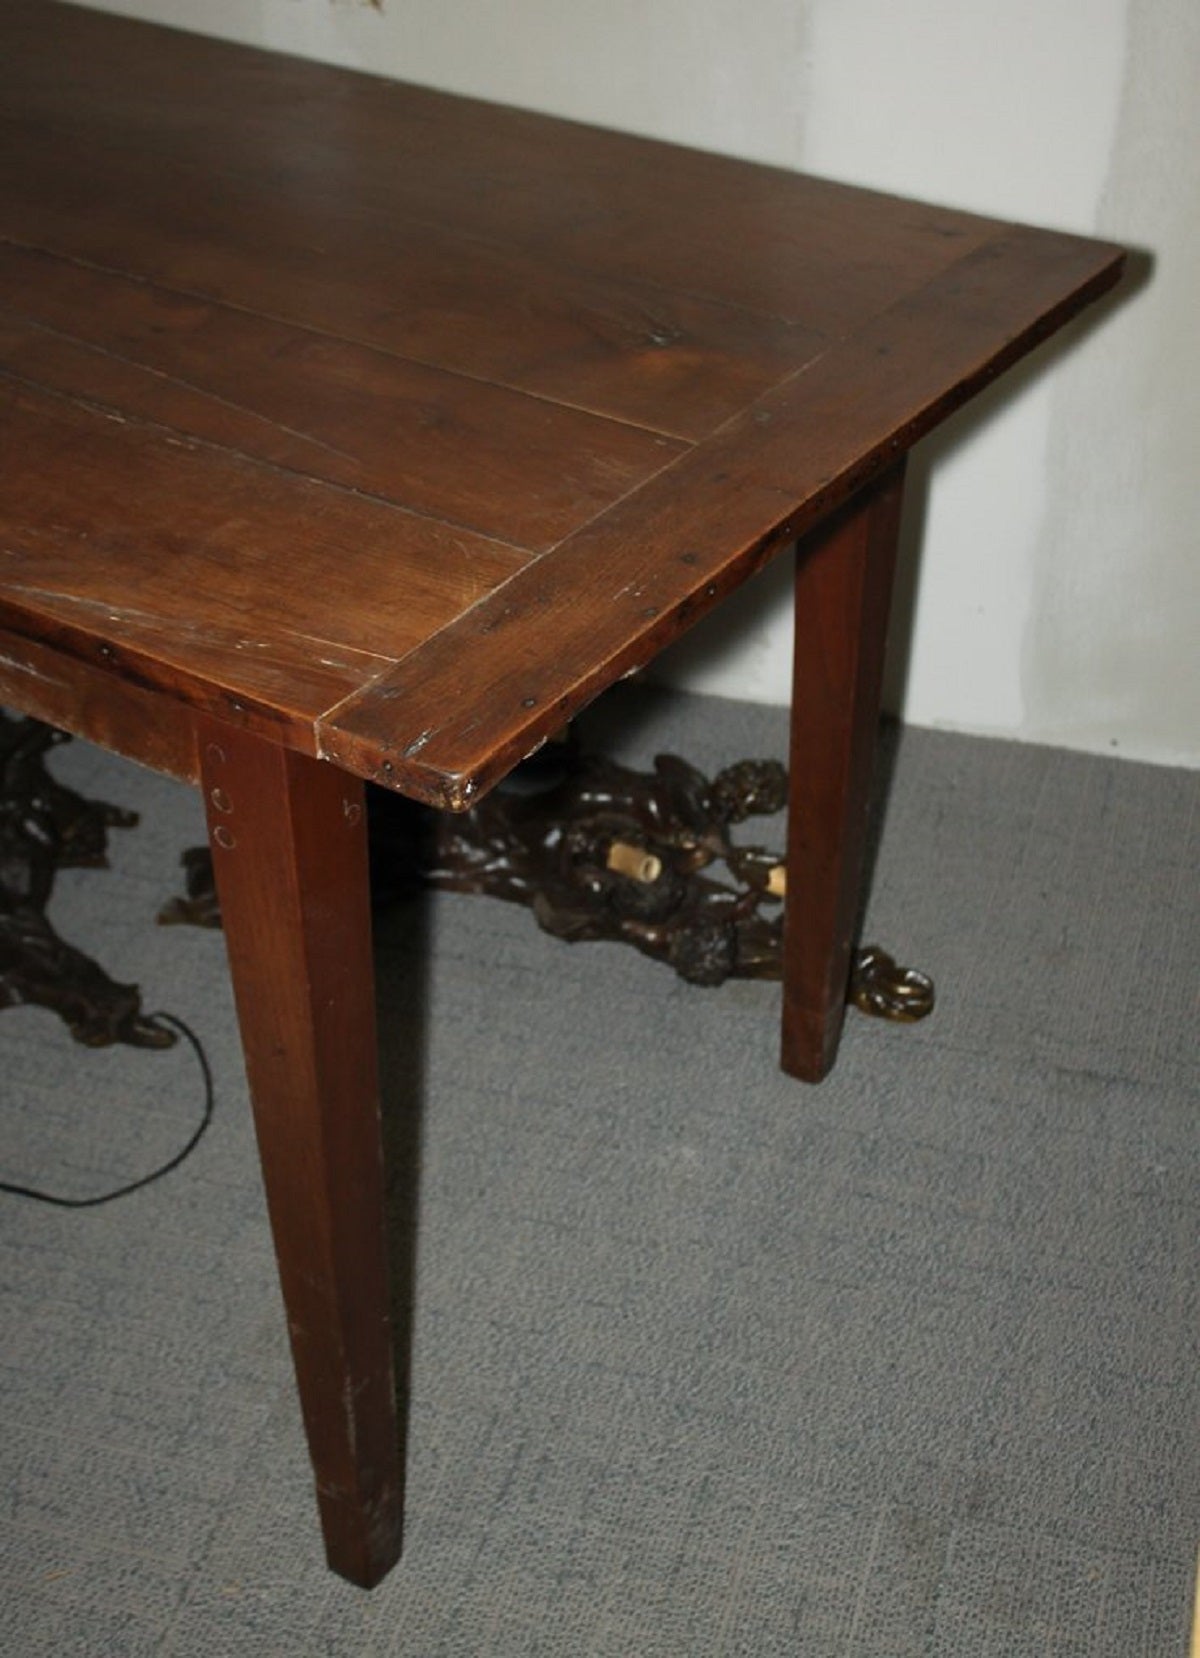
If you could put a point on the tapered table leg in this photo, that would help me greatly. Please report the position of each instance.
(288, 837)
(844, 575)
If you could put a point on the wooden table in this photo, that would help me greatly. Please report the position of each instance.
(351, 430)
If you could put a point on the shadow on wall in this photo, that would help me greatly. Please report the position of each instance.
(962, 429)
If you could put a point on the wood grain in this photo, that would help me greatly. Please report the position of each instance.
(430, 291)
(517, 468)
(584, 199)
(844, 572)
(238, 587)
(612, 596)
(288, 838)
(397, 424)
(90, 702)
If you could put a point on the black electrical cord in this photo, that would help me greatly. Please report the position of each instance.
(155, 1174)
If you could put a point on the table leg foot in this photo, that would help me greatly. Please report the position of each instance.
(844, 574)
(288, 836)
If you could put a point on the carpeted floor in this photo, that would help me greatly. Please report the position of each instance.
(706, 1363)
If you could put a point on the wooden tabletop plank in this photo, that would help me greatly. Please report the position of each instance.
(407, 422)
(431, 292)
(616, 593)
(194, 570)
(583, 197)
(320, 406)
(618, 265)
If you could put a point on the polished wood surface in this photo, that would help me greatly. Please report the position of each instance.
(289, 847)
(511, 401)
(345, 421)
(844, 573)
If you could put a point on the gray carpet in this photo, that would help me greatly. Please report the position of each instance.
(705, 1362)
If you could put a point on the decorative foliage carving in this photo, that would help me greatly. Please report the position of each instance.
(599, 851)
(595, 849)
(45, 827)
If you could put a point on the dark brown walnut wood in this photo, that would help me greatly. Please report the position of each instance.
(388, 428)
(612, 595)
(844, 576)
(205, 110)
(191, 569)
(308, 403)
(270, 315)
(92, 702)
(289, 847)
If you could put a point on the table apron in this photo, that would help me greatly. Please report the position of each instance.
(142, 725)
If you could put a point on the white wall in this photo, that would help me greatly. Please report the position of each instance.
(1050, 587)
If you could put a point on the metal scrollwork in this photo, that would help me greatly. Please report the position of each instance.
(598, 850)
(595, 849)
(45, 827)
(880, 986)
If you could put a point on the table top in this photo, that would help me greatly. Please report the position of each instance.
(398, 425)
